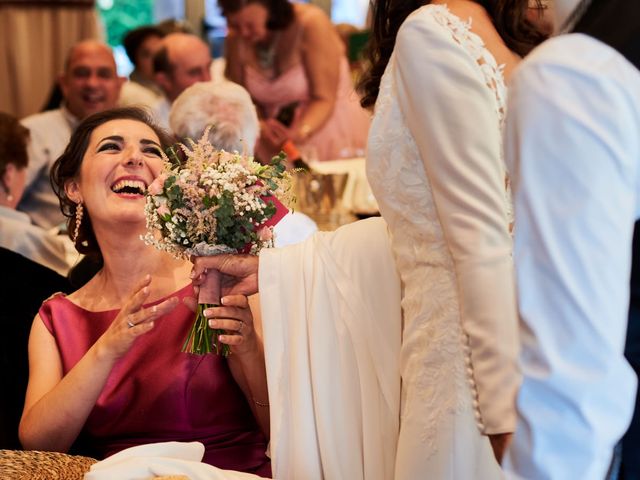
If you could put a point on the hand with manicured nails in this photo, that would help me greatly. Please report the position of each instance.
(240, 272)
(132, 321)
(236, 319)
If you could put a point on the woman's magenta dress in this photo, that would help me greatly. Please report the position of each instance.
(156, 393)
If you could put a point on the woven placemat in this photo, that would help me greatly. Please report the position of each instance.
(35, 465)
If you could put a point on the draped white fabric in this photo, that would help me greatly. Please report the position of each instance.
(332, 326)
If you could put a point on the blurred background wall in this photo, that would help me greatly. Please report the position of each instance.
(36, 35)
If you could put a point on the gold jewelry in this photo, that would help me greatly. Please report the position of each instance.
(266, 55)
(305, 131)
(260, 404)
(79, 214)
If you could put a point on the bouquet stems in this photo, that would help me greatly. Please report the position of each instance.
(203, 339)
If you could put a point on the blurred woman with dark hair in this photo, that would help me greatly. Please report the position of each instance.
(17, 233)
(291, 60)
(141, 44)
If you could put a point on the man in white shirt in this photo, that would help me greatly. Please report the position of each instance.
(573, 150)
(89, 84)
(183, 59)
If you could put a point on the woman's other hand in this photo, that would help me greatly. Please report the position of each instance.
(499, 443)
(273, 134)
(240, 272)
(236, 319)
(133, 321)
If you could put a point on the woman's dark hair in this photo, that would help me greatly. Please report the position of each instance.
(280, 11)
(67, 168)
(509, 19)
(136, 37)
(13, 142)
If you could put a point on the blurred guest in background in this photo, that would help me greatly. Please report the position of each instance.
(174, 25)
(291, 60)
(141, 44)
(17, 233)
(227, 108)
(90, 84)
(182, 60)
(28, 284)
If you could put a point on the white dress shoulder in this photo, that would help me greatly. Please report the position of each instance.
(436, 168)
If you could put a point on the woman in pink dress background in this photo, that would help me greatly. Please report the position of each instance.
(292, 61)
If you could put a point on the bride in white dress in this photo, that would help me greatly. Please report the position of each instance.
(435, 165)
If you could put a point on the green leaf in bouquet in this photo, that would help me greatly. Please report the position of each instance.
(269, 210)
(173, 156)
(174, 194)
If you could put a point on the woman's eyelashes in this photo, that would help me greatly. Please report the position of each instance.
(116, 148)
(109, 146)
(153, 151)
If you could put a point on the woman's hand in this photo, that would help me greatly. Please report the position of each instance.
(236, 319)
(273, 134)
(499, 443)
(132, 322)
(240, 272)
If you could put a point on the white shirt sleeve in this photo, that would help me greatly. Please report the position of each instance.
(572, 143)
(451, 114)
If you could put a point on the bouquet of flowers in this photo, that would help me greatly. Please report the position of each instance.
(210, 203)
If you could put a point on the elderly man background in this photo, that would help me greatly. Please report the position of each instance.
(228, 109)
(226, 106)
(89, 84)
(183, 59)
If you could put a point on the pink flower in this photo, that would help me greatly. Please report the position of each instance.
(265, 234)
(157, 185)
(163, 210)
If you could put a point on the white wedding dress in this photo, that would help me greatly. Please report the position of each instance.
(435, 165)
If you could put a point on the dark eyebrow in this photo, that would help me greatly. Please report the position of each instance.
(145, 141)
(118, 138)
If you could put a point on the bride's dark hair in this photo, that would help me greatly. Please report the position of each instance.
(509, 19)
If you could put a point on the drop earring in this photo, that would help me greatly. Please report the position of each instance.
(79, 214)
(7, 191)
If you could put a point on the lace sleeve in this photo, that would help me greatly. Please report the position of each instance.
(457, 131)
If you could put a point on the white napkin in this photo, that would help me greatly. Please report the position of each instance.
(146, 462)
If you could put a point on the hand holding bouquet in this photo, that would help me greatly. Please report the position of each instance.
(214, 202)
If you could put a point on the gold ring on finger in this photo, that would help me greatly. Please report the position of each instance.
(130, 324)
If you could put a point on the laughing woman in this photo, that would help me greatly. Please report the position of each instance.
(106, 369)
